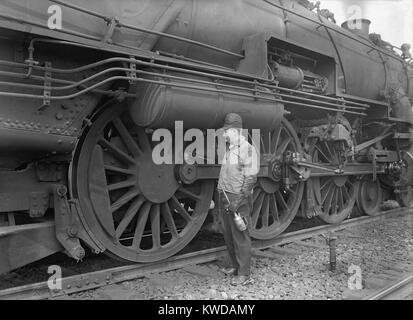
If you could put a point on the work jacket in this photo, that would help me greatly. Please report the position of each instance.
(239, 169)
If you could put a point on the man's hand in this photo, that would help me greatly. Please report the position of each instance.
(235, 203)
(248, 185)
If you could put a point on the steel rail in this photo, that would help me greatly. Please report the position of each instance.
(96, 279)
(145, 30)
(392, 290)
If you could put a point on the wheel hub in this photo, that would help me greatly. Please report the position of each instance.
(157, 182)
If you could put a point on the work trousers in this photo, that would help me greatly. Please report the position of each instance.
(238, 242)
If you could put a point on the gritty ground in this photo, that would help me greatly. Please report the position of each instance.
(38, 271)
(301, 272)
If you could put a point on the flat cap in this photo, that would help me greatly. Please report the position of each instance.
(232, 120)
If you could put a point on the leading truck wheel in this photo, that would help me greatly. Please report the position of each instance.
(135, 208)
(275, 206)
(370, 196)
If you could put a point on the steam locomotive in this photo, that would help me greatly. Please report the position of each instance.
(79, 104)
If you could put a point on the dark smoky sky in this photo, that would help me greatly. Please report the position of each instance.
(393, 19)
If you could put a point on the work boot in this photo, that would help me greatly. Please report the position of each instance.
(229, 271)
(242, 281)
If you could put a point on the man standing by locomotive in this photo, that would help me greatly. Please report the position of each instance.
(238, 175)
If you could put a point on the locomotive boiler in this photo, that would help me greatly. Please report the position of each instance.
(84, 86)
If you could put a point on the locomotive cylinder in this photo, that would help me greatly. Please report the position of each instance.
(159, 106)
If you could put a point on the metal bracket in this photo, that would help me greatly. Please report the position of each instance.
(85, 282)
(49, 171)
(113, 23)
(39, 203)
(47, 87)
(69, 230)
(132, 74)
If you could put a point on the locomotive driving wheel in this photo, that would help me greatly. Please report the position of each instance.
(370, 196)
(135, 208)
(276, 205)
(335, 195)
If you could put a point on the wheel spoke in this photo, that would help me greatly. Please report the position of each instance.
(326, 183)
(330, 186)
(329, 198)
(281, 200)
(329, 151)
(128, 196)
(340, 199)
(155, 217)
(257, 209)
(181, 210)
(122, 156)
(129, 215)
(345, 193)
(334, 202)
(326, 159)
(123, 184)
(257, 192)
(167, 217)
(276, 136)
(265, 141)
(265, 211)
(119, 170)
(127, 138)
(273, 208)
(283, 146)
(140, 225)
(189, 193)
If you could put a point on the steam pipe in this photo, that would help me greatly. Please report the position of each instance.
(149, 64)
(80, 83)
(31, 96)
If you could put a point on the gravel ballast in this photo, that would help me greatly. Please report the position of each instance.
(301, 273)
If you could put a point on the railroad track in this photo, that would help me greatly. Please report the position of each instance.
(93, 280)
(398, 290)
